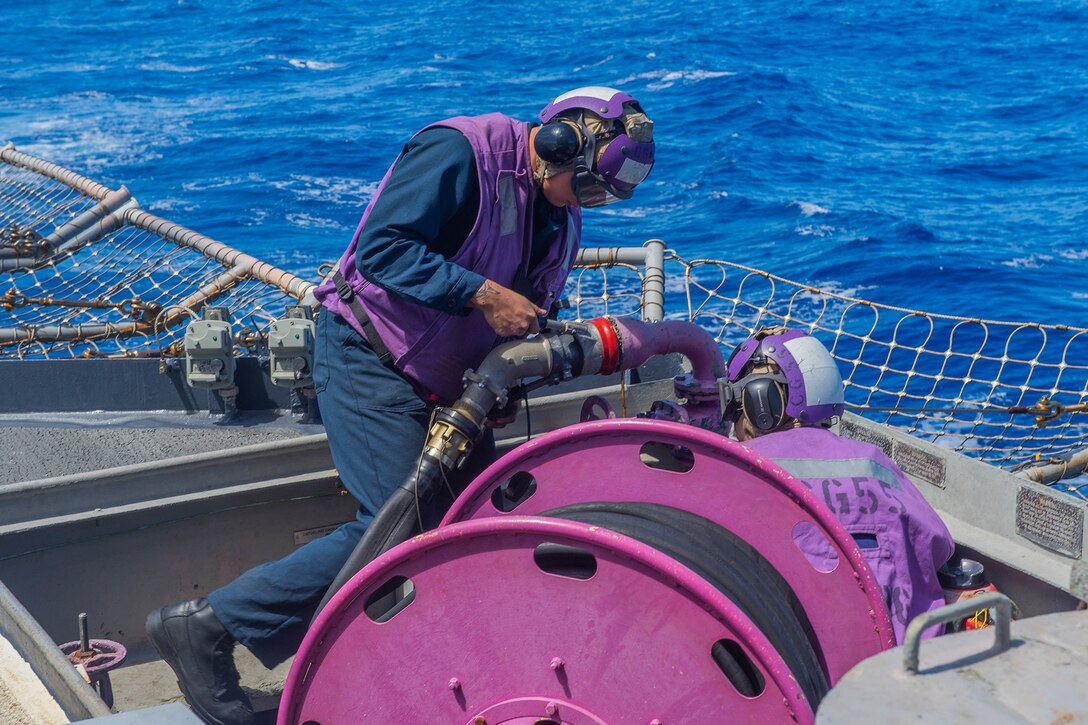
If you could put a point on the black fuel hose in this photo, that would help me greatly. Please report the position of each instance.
(735, 569)
(396, 522)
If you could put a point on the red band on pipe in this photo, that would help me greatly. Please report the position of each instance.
(610, 345)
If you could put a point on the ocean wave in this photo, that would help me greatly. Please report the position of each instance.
(816, 230)
(625, 212)
(337, 190)
(601, 62)
(213, 183)
(305, 63)
(92, 150)
(171, 205)
(1035, 261)
(808, 208)
(313, 64)
(254, 217)
(171, 68)
(854, 291)
(309, 221)
(662, 79)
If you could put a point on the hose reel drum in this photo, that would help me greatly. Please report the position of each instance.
(581, 580)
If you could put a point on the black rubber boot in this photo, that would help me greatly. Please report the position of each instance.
(196, 645)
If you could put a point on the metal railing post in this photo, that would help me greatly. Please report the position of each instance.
(653, 289)
(650, 256)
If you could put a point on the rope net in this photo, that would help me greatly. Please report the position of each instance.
(125, 292)
(976, 386)
(1013, 394)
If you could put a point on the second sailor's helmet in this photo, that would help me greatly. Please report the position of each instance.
(778, 375)
(603, 136)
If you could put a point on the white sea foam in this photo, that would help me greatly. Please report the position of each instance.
(628, 211)
(1035, 261)
(624, 211)
(211, 184)
(91, 149)
(835, 287)
(332, 189)
(309, 221)
(171, 205)
(313, 64)
(602, 61)
(254, 217)
(1074, 254)
(304, 63)
(171, 68)
(816, 230)
(808, 208)
(661, 79)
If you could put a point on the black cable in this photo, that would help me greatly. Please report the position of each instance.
(734, 568)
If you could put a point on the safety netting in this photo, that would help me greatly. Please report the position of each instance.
(84, 272)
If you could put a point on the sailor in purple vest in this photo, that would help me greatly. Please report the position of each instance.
(468, 241)
(783, 393)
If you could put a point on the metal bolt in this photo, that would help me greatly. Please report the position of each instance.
(84, 637)
(557, 664)
(551, 708)
(454, 684)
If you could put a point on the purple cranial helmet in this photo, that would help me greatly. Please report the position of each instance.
(778, 374)
(603, 136)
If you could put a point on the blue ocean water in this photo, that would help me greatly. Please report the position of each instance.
(926, 154)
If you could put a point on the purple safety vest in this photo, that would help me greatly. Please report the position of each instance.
(901, 537)
(433, 347)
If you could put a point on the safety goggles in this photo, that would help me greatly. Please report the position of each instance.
(593, 190)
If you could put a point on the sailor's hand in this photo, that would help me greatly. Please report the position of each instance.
(509, 313)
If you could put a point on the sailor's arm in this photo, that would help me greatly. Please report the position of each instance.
(509, 313)
(420, 220)
(423, 215)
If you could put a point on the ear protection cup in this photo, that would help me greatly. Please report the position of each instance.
(558, 142)
(763, 403)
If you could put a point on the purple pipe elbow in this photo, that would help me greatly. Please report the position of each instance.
(640, 341)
